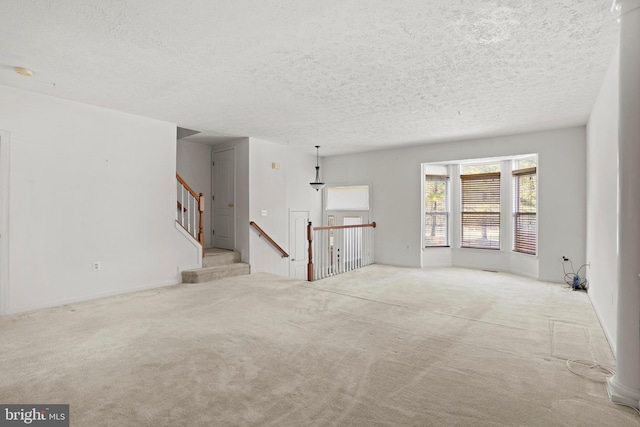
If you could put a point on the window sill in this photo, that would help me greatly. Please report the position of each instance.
(525, 254)
(482, 249)
(488, 251)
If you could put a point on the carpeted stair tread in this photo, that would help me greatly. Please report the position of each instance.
(218, 257)
(216, 272)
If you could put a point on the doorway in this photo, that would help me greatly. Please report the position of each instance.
(298, 255)
(351, 218)
(224, 194)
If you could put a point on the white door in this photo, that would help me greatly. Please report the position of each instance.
(298, 246)
(347, 217)
(351, 220)
(224, 195)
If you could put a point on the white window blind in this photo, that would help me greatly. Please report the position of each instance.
(480, 210)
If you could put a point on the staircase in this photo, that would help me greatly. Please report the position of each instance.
(216, 264)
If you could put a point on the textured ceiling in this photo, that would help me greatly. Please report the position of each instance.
(347, 75)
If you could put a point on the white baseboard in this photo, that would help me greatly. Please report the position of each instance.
(623, 395)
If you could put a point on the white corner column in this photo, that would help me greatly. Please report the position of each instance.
(624, 386)
(4, 222)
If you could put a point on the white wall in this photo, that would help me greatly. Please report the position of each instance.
(602, 216)
(277, 192)
(88, 184)
(194, 166)
(243, 213)
(396, 180)
(4, 220)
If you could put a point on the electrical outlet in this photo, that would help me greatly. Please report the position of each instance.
(96, 266)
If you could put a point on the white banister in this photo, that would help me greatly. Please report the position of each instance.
(190, 206)
(338, 249)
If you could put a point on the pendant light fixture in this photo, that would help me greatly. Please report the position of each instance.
(317, 185)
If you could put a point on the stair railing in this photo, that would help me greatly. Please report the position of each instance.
(338, 249)
(189, 210)
(268, 238)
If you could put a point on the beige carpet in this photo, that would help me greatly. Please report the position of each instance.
(380, 346)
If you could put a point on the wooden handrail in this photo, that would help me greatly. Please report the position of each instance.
(200, 198)
(269, 239)
(338, 227)
(189, 189)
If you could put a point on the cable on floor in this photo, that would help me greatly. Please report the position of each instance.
(583, 283)
(607, 371)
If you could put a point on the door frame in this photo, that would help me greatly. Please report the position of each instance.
(291, 239)
(215, 151)
(4, 221)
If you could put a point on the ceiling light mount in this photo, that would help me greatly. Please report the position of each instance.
(23, 71)
(317, 184)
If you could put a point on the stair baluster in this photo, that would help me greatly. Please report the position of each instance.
(190, 204)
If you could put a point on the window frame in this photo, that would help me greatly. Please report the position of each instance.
(524, 241)
(356, 190)
(445, 213)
